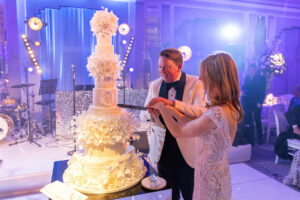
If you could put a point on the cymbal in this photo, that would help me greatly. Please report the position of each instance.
(45, 102)
(22, 85)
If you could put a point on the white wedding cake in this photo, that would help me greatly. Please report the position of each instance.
(106, 164)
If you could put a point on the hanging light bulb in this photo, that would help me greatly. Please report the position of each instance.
(37, 43)
(30, 69)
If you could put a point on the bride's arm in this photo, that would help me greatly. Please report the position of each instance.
(184, 126)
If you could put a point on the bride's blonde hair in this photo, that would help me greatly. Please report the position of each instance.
(220, 77)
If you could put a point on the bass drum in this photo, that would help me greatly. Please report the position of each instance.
(6, 126)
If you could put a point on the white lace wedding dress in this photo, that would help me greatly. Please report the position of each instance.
(293, 177)
(212, 175)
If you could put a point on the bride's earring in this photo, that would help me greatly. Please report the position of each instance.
(208, 102)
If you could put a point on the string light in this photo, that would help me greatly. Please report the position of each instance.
(129, 48)
(31, 54)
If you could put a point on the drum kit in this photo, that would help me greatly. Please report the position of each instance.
(11, 116)
(15, 118)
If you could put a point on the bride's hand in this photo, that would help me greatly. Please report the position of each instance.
(157, 106)
(180, 117)
(160, 100)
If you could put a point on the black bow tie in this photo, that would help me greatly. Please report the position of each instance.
(174, 84)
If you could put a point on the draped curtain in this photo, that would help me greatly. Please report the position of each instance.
(66, 40)
(290, 48)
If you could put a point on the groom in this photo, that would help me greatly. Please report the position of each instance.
(174, 157)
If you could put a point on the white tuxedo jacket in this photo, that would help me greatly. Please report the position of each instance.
(193, 95)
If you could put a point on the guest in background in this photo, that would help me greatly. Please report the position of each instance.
(174, 157)
(293, 107)
(293, 118)
(253, 95)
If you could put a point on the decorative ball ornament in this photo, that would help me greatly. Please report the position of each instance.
(186, 52)
(124, 29)
(35, 23)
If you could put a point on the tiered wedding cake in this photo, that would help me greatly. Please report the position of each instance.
(106, 165)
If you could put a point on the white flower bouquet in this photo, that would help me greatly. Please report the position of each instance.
(104, 23)
(104, 67)
(97, 130)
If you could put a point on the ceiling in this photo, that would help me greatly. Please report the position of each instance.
(284, 3)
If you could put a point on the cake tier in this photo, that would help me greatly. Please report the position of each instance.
(106, 82)
(105, 97)
(101, 111)
(104, 175)
(96, 152)
(104, 46)
(105, 93)
(102, 50)
(104, 40)
(101, 126)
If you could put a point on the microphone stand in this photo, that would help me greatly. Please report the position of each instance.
(70, 153)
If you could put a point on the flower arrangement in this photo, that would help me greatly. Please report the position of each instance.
(104, 66)
(104, 23)
(272, 63)
(97, 130)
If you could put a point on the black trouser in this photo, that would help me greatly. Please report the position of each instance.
(252, 115)
(179, 176)
(281, 147)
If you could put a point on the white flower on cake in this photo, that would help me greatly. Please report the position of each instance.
(104, 23)
(105, 130)
(103, 67)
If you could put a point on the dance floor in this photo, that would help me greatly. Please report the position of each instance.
(27, 167)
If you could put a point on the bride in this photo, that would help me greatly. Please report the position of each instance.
(214, 130)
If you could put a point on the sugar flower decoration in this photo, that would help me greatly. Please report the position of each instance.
(97, 130)
(103, 67)
(104, 23)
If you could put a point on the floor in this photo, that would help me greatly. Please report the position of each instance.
(24, 159)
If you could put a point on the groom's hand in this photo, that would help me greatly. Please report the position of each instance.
(154, 113)
(160, 100)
